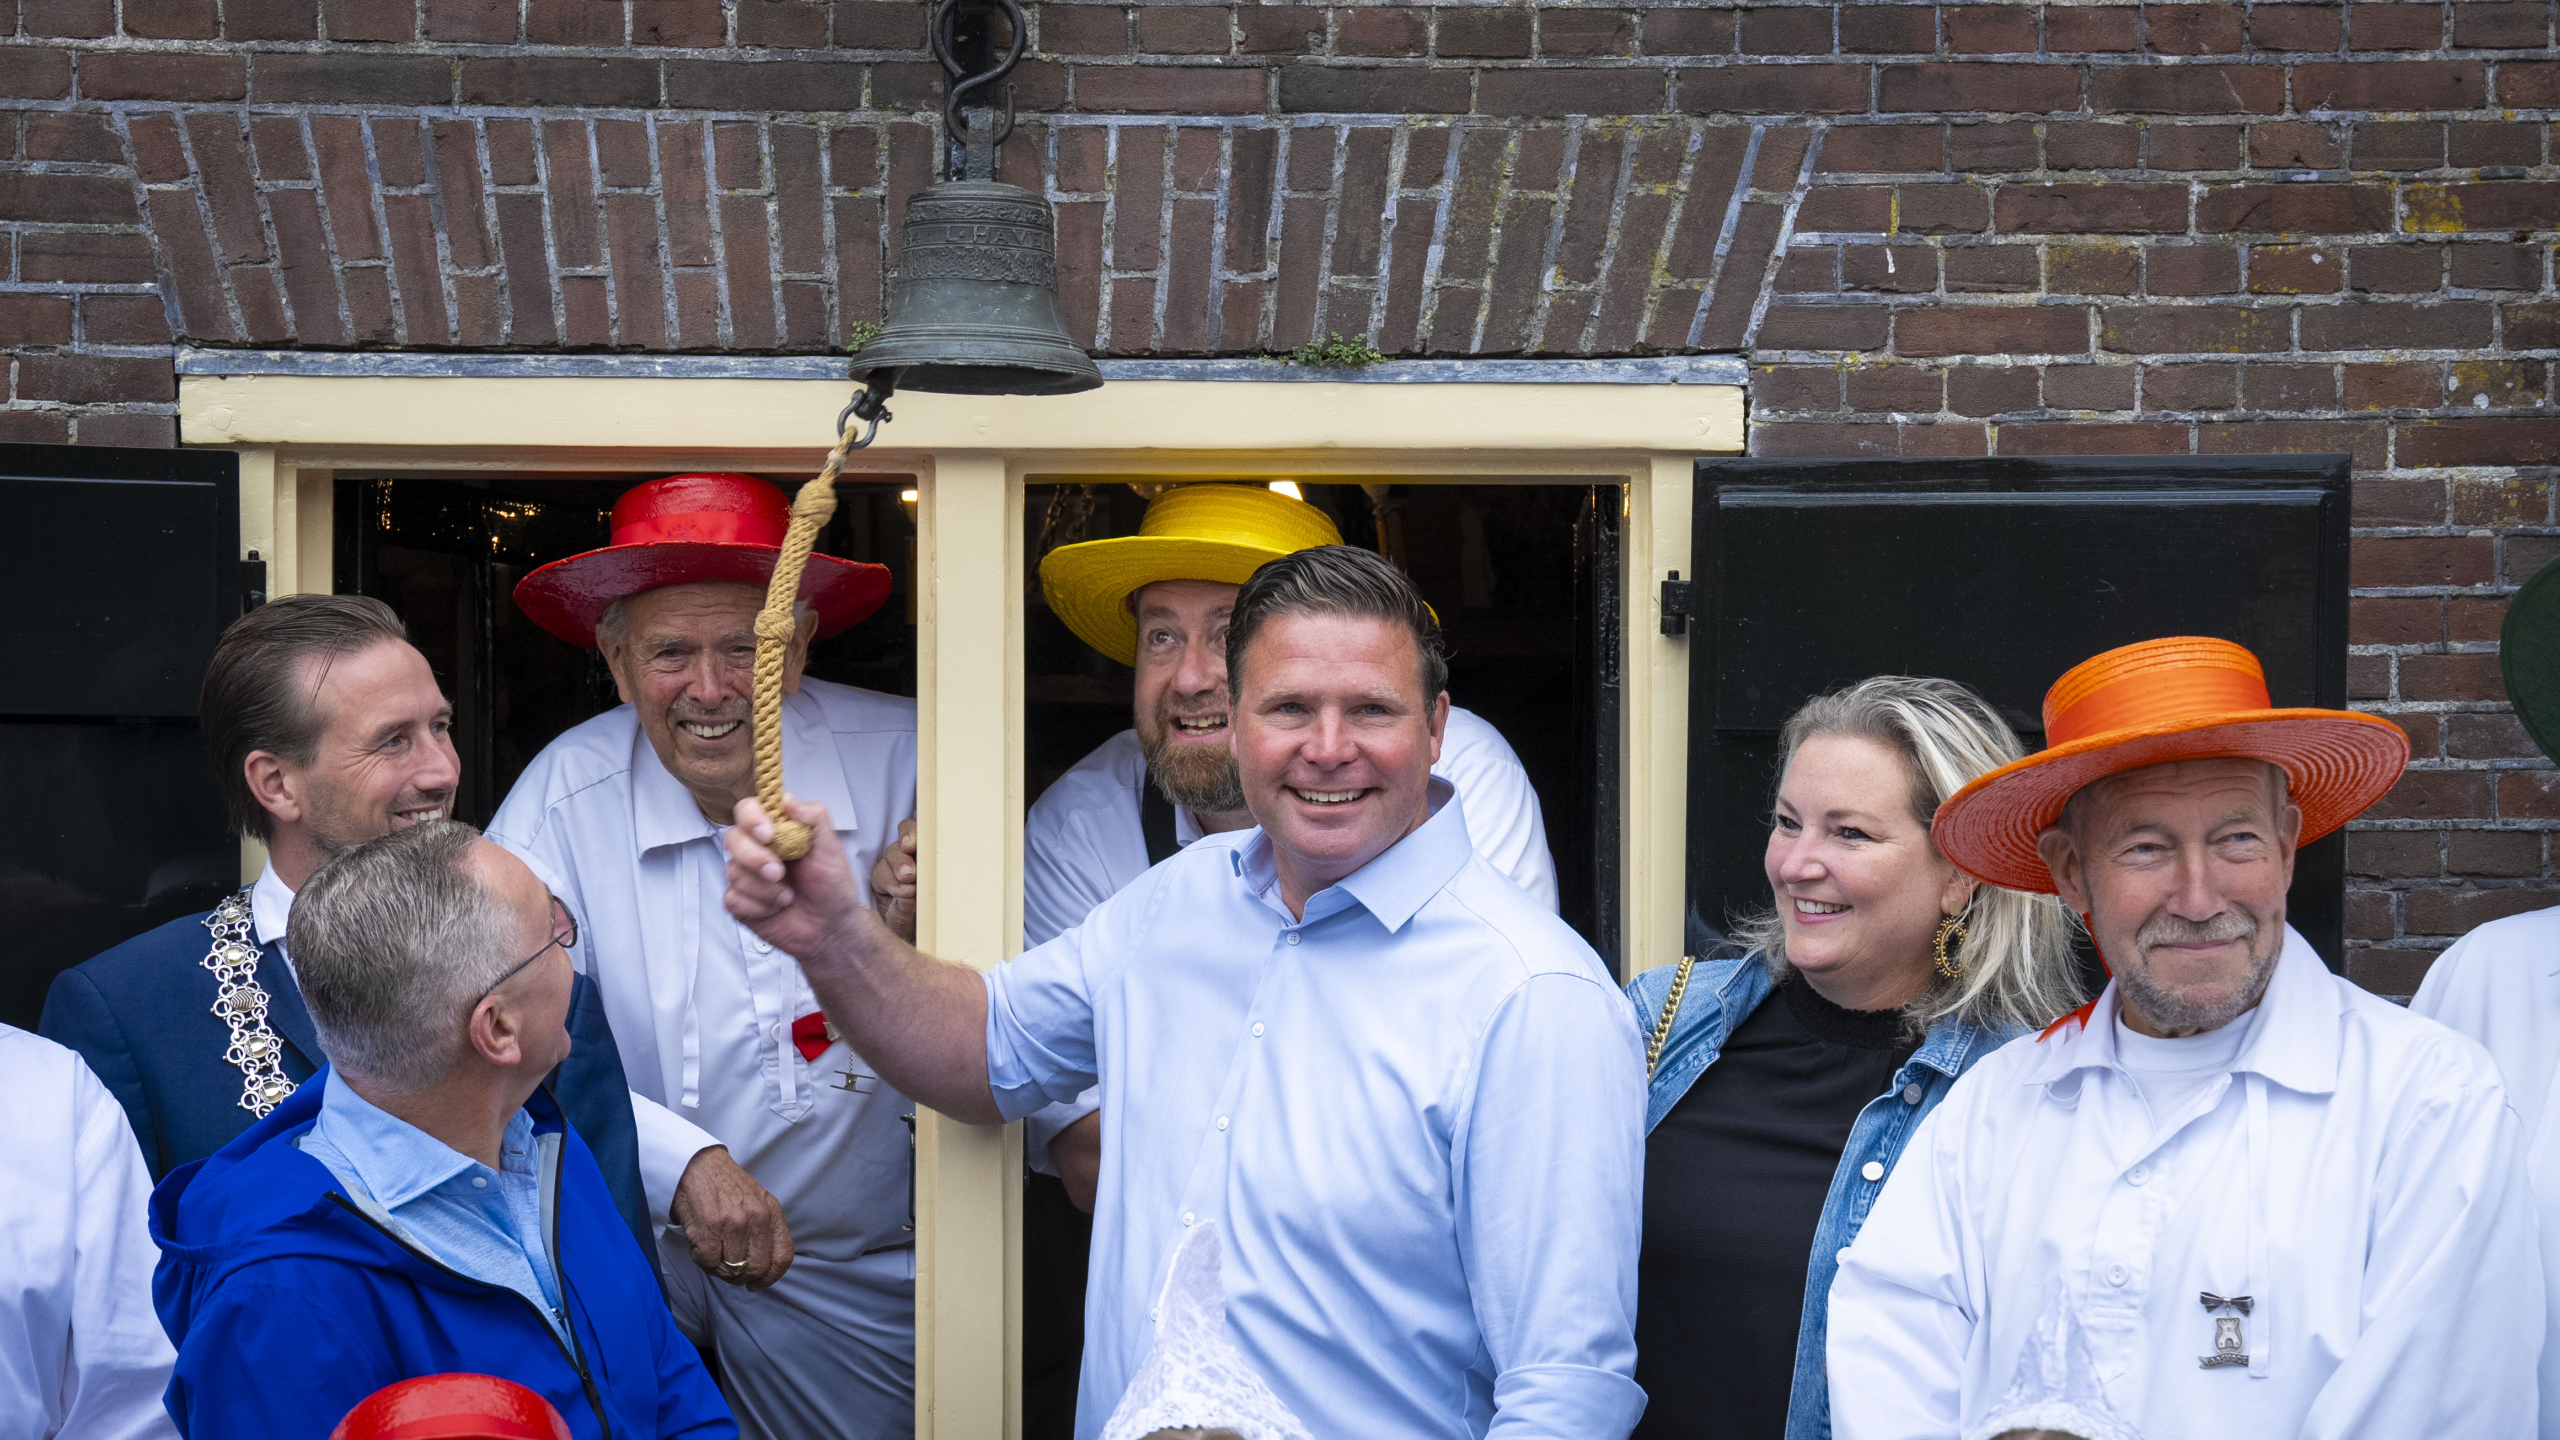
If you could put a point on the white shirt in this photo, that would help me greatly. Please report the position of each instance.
(2500, 985)
(1417, 1115)
(2357, 1173)
(82, 1354)
(701, 1009)
(1082, 842)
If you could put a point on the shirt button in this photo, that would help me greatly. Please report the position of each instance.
(1873, 1170)
(479, 1182)
(1257, 1029)
(761, 947)
(1911, 1094)
(1222, 1122)
(1153, 1313)
(2137, 1174)
(1842, 1258)
(1293, 937)
(2117, 1274)
(1186, 1219)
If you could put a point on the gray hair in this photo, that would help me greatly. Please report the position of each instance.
(393, 942)
(253, 696)
(2014, 962)
(615, 623)
(1335, 580)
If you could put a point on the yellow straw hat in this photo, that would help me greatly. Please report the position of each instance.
(1221, 533)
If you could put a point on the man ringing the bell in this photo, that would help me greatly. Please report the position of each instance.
(623, 817)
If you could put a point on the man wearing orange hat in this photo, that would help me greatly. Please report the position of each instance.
(809, 1305)
(2278, 1205)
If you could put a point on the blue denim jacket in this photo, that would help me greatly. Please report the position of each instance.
(1722, 994)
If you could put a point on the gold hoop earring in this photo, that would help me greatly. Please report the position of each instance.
(1950, 932)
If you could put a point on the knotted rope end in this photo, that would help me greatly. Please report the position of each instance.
(791, 839)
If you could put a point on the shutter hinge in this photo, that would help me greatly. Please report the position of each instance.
(253, 582)
(1679, 604)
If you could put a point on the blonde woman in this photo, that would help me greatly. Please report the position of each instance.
(1788, 1072)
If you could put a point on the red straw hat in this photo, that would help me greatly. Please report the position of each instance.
(452, 1407)
(686, 528)
(2183, 698)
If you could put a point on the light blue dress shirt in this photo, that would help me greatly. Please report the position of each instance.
(485, 1223)
(1418, 1116)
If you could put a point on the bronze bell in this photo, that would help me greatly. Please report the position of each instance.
(973, 306)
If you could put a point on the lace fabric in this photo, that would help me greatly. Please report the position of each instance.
(1194, 1377)
(2056, 1387)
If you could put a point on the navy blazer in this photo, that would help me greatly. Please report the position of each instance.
(142, 1015)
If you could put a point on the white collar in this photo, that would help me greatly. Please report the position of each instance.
(2295, 1042)
(664, 811)
(270, 906)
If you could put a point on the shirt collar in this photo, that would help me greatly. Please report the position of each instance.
(270, 906)
(663, 812)
(2293, 1039)
(395, 1160)
(1397, 882)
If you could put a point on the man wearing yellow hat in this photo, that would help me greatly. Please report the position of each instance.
(2278, 1205)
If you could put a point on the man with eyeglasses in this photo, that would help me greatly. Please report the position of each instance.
(808, 1308)
(420, 1207)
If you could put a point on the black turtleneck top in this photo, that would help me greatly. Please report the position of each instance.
(1734, 1182)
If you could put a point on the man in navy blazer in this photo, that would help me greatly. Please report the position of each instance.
(326, 728)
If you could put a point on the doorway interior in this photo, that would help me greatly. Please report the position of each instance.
(1525, 580)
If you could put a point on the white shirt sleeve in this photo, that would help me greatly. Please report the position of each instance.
(667, 1142)
(118, 1360)
(1503, 816)
(2453, 1302)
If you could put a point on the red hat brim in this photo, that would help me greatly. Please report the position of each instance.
(567, 597)
(2337, 763)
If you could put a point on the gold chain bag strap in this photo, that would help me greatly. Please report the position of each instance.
(1670, 1009)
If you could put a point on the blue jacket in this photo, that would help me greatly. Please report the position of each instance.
(142, 1015)
(288, 1304)
(1722, 994)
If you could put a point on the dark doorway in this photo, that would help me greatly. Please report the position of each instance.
(2001, 574)
(1524, 580)
(126, 576)
(446, 554)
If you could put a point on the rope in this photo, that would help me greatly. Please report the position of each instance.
(810, 511)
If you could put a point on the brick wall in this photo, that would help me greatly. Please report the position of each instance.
(2005, 228)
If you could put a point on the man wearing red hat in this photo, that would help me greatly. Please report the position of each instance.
(808, 1307)
(2278, 1205)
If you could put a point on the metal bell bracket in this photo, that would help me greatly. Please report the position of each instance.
(974, 158)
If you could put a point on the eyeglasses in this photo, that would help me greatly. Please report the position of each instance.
(564, 934)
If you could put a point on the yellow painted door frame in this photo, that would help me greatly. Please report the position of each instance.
(971, 458)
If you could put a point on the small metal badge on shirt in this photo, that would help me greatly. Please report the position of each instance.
(2230, 1344)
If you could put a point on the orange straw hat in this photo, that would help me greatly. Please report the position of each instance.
(2183, 698)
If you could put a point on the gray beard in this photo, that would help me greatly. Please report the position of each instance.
(1202, 785)
(2181, 1014)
